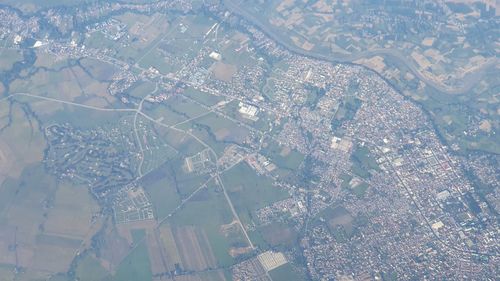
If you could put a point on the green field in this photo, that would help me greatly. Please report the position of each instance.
(286, 273)
(249, 191)
(289, 160)
(8, 58)
(363, 161)
(184, 143)
(169, 184)
(7, 272)
(34, 185)
(136, 266)
(202, 97)
(141, 89)
(163, 197)
(360, 189)
(89, 269)
(279, 235)
(216, 131)
(209, 210)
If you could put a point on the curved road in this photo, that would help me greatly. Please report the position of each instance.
(469, 80)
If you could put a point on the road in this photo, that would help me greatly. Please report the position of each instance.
(470, 80)
(138, 111)
(70, 103)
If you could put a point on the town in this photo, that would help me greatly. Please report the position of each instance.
(322, 170)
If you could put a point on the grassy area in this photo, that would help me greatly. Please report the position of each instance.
(169, 184)
(99, 70)
(286, 273)
(279, 235)
(360, 189)
(167, 115)
(137, 235)
(163, 196)
(135, 266)
(185, 144)
(346, 111)
(7, 272)
(205, 134)
(8, 58)
(204, 98)
(84, 118)
(362, 154)
(363, 161)
(283, 157)
(249, 191)
(338, 219)
(346, 179)
(141, 89)
(209, 210)
(27, 192)
(89, 269)
(185, 107)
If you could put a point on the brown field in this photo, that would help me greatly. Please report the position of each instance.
(114, 249)
(98, 69)
(307, 46)
(341, 219)
(98, 89)
(157, 255)
(47, 239)
(32, 274)
(8, 165)
(43, 107)
(285, 151)
(18, 145)
(97, 102)
(236, 251)
(221, 134)
(285, 5)
(278, 234)
(56, 84)
(67, 84)
(240, 37)
(194, 248)
(7, 233)
(48, 60)
(227, 229)
(53, 258)
(23, 223)
(167, 239)
(72, 212)
(8, 57)
(376, 63)
(224, 71)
